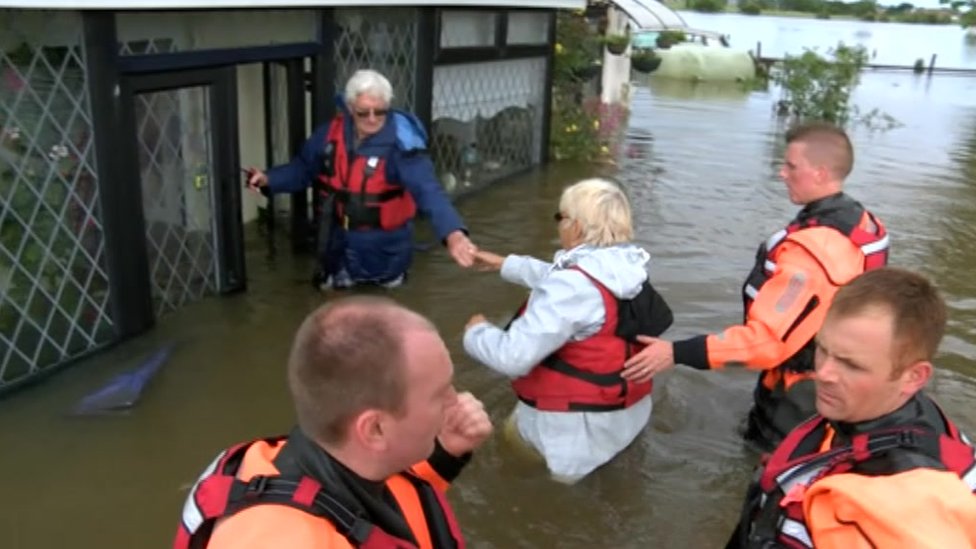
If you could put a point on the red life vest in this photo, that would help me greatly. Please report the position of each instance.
(776, 513)
(363, 197)
(584, 376)
(219, 493)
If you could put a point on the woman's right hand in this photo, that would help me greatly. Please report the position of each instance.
(256, 179)
(487, 261)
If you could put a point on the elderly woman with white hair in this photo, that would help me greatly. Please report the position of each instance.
(566, 347)
(372, 168)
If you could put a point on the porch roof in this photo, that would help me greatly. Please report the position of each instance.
(243, 4)
(651, 14)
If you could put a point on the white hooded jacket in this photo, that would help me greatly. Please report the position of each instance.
(564, 306)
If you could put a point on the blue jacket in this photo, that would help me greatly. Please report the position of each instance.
(375, 254)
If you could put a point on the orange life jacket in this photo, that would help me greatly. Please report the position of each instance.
(584, 376)
(363, 197)
(773, 516)
(780, 403)
(220, 493)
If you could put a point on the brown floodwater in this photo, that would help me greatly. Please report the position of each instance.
(700, 163)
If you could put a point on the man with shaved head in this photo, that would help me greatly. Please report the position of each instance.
(786, 295)
(381, 432)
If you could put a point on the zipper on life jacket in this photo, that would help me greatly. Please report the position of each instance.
(811, 305)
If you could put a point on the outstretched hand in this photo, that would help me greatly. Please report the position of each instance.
(487, 261)
(461, 248)
(657, 357)
(466, 425)
(474, 321)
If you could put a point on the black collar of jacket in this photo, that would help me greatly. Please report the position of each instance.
(368, 499)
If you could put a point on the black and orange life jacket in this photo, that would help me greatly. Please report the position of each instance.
(773, 515)
(219, 493)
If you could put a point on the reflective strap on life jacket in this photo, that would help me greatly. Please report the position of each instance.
(751, 291)
(970, 477)
(775, 239)
(797, 531)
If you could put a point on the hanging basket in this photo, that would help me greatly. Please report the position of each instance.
(645, 63)
(617, 43)
(588, 72)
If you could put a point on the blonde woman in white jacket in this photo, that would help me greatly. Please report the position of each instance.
(566, 348)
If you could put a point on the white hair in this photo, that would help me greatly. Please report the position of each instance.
(369, 82)
(601, 208)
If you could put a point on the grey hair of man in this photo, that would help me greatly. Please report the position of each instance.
(368, 82)
(601, 208)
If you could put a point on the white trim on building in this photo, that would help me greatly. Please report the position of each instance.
(278, 4)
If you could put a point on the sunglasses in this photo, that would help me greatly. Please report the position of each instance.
(364, 113)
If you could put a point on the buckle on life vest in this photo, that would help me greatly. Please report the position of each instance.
(907, 439)
(255, 487)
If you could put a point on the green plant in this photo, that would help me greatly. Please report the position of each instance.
(819, 87)
(644, 60)
(616, 43)
(750, 7)
(669, 38)
(577, 47)
(707, 6)
(581, 128)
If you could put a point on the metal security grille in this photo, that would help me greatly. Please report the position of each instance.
(487, 120)
(54, 296)
(151, 45)
(176, 165)
(383, 39)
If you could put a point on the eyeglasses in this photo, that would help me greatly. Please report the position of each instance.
(364, 113)
(558, 216)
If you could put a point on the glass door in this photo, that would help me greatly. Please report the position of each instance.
(184, 136)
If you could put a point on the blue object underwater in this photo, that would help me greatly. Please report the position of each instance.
(123, 391)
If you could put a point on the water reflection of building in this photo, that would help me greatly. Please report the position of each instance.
(123, 133)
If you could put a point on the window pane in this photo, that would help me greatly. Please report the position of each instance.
(528, 27)
(467, 28)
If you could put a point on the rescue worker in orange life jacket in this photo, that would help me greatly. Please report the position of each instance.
(880, 465)
(786, 295)
(381, 432)
(374, 173)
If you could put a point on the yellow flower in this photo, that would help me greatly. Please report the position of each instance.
(604, 149)
(559, 48)
(596, 124)
(574, 128)
(568, 129)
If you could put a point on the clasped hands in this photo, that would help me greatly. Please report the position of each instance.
(466, 254)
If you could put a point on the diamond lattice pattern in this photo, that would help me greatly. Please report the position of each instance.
(383, 39)
(54, 292)
(487, 120)
(175, 164)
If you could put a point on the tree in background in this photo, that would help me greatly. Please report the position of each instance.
(819, 87)
(966, 10)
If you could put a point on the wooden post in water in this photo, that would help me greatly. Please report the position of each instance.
(758, 50)
(932, 64)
